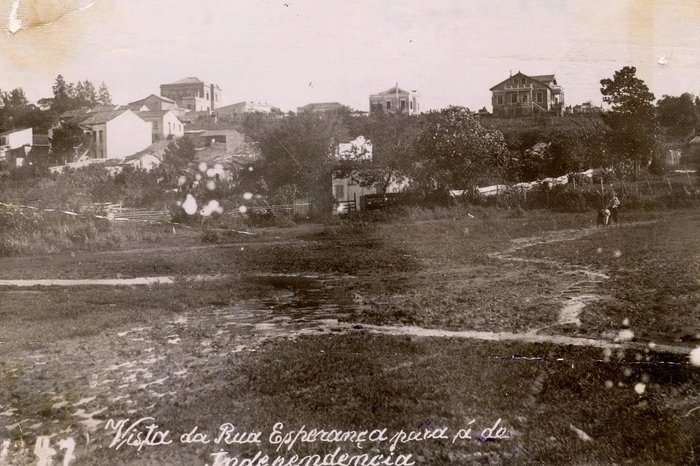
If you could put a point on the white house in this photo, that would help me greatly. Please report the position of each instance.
(356, 150)
(115, 133)
(16, 138)
(165, 123)
(350, 187)
(11, 141)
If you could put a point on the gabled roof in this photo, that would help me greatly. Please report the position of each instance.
(160, 97)
(104, 108)
(73, 113)
(5, 133)
(545, 79)
(97, 118)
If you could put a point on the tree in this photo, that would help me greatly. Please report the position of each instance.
(631, 139)
(679, 113)
(90, 94)
(15, 100)
(103, 95)
(393, 138)
(297, 156)
(66, 139)
(454, 151)
(63, 96)
(179, 153)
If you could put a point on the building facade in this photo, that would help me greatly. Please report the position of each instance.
(164, 123)
(193, 94)
(115, 134)
(152, 103)
(395, 100)
(522, 95)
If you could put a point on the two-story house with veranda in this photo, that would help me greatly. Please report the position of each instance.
(522, 95)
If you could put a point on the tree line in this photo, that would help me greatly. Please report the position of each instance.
(455, 149)
(17, 112)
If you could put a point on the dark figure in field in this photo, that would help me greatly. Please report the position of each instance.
(614, 208)
(603, 217)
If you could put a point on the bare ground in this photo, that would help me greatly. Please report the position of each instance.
(379, 326)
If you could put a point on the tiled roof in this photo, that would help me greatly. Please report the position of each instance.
(73, 113)
(152, 113)
(5, 133)
(164, 99)
(545, 78)
(101, 117)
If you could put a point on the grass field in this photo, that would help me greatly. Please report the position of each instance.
(576, 338)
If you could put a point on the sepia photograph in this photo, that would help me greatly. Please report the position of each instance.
(349, 233)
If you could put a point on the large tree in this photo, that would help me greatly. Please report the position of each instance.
(103, 95)
(632, 137)
(393, 139)
(454, 151)
(297, 156)
(62, 100)
(678, 113)
(15, 100)
(65, 142)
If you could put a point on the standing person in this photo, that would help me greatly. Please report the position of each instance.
(614, 208)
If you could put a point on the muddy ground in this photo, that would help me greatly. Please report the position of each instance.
(576, 338)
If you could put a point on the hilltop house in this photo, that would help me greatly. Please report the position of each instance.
(522, 95)
(192, 94)
(394, 100)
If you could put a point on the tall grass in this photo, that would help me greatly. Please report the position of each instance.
(27, 231)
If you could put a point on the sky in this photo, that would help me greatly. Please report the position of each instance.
(289, 53)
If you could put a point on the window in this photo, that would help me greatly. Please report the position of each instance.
(540, 97)
(500, 100)
(514, 98)
(403, 105)
(207, 96)
(524, 98)
(339, 191)
(388, 104)
(410, 105)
